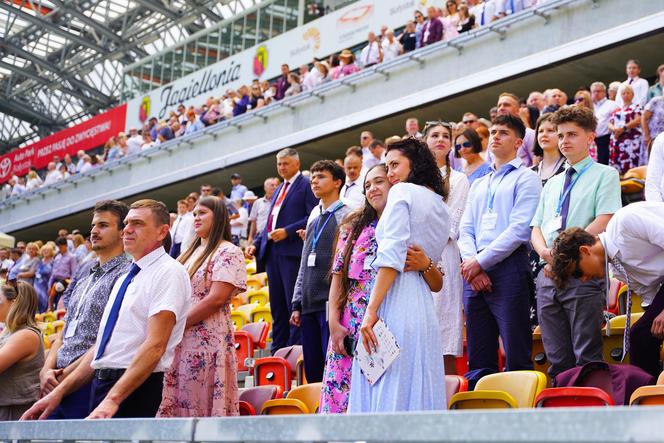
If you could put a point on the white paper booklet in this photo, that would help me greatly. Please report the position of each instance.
(373, 366)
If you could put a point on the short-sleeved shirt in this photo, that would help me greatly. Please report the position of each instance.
(597, 192)
(161, 285)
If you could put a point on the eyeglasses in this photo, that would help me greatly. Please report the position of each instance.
(578, 100)
(458, 146)
(469, 121)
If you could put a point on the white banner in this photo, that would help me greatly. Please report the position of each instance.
(332, 33)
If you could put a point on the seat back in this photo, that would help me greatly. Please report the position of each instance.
(648, 396)
(308, 394)
(261, 314)
(258, 332)
(573, 397)
(272, 371)
(454, 384)
(246, 408)
(258, 395)
(524, 386)
(612, 344)
(239, 319)
(660, 379)
(244, 348)
(291, 354)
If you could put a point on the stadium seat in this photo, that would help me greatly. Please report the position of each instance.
(454, 384)
(60, 314)
(262, 277)
(573, 397)
(502, 390)
(261, 314)
(540, 362)
(648, 396)
(246, 309)
(273, 371)
(615, 286)
(255, 398)
(58, 325)
(258, 297)
(258, 332)
(239, 319)
(244, 348)
(622, 301)
(300, 400)
(49, 317)
(292, 354)
(300, 376)
(236, 302)
(251, 268)
(613, 342)
(660, 379)
(254, 283)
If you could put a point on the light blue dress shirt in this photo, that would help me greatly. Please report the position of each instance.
(517, 192)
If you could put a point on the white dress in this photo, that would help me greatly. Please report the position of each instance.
(448, 301)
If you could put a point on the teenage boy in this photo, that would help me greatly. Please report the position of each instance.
(494, 234)
(585, 196)
(634, 245)
(312, 286)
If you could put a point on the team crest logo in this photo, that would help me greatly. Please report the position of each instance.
(144, 110)
(260, 61)
(5, 167)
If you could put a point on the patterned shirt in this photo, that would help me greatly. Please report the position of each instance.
(86, 307)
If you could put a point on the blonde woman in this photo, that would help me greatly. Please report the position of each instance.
(21, 350)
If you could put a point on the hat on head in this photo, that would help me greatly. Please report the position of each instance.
(249, 196)
(346, 53)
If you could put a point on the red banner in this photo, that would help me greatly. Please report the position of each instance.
(88, 135)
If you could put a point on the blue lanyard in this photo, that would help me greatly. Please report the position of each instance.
(564, 195)
(317, 232)
(492, 191)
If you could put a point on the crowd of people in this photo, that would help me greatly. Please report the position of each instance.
(494, 225)
(633, 126)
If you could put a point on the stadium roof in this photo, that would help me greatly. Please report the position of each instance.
(61, 60)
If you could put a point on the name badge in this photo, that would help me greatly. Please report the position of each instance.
(554, 225)
(71, 329)
(311, 260)
(489, 221)
(368, 262)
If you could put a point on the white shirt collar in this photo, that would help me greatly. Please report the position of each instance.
(293, 178)
(150, 258)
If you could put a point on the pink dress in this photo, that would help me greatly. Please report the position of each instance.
(202, 381)
(450, 27)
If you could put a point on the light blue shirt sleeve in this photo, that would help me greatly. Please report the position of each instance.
(526, 198)
(393, 230)
(608, 193)
(467, 242)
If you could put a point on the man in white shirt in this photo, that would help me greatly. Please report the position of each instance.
(376, 154)
(412, 129)
(508, 103)
(135, 140)
(260, 210)
(634, 246)
(239, 224)
(537, 100)
(352, 192)
(655, 174)
(182, 230)
(603, 107)
(484, 12)
(639, 85)
(52, 175)
(79, 163)
(135, 345)
(372, 52)
(507, 7)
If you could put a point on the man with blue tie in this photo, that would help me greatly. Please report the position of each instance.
(279, 247)
(142, 324)
(494, 235)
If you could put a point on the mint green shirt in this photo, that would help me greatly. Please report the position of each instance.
(596, 193)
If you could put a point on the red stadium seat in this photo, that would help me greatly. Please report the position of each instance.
(273, 371)
(454, 384)
(258, 332)
(246, 408)
(244, 348)
(571, 397)
(252, 399)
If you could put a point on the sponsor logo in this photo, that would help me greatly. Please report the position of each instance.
(5, 167)
(312, 35)
(144, 109)
(260, 60)
(356, 15)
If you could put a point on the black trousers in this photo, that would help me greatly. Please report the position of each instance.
(643, 347)
(143, 402)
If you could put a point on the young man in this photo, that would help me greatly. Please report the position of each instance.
(238, 190)
(135, 345)
(634, 245)
(494, 234)
(585, 196)
(86, 306)
(311, 287)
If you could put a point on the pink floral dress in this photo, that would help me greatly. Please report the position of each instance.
(625, 150)
(202, 381)
(337, 375)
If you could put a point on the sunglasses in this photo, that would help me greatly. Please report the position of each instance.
(467, 122)
(458, 146)
(578, 100)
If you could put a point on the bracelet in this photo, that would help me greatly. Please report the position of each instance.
(429, 268)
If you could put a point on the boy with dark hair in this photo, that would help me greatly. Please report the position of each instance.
(585, 196)
(312, 287)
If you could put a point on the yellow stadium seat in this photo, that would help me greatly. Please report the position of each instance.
(622, 301)
(39, 318)
(239, 319)
(236, 302)
(253, 283)
(613, 340)
(58, 325)
(261, 313)
(246, 310)
(540, 362)
(47, 328)
(648, 396)
(262, 276)
(251, 268)
(301, 400)
(49, 316)
(258, 297)
(520, 386)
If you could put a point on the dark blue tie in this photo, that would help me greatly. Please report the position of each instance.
(115, 310)
(565, 209)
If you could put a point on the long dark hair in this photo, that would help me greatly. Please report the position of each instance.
(356, 221)
(423, 168)
(220, 232)
(448, 168)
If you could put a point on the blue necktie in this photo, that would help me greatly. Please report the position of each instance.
(115, 310)
(565, 209)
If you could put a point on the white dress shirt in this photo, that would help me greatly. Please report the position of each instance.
(640, 87)
(135, 143)
(259, 213)
(352, 194)
(370, 54)
(390, 50)
(655, 174)
(603, 110)
(182, 231)
(483, 12)
(635, 235)
(239, 225)
(508, 7)
(162, 285)
(276, 209)
(370, 160)
(52, 177)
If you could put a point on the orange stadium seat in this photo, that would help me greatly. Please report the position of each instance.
(244, 348)
(648, 396)
(300, 400)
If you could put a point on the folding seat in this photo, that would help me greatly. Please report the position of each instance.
(244, 349)
(239, 319)
(49, 317)
(573, 397)
(272, 371)
(258, 332)
(258, 297)
(252, 399)
(612, 346)
(515, 389)
(660, 379)
(622, 301)
(253, 283)
(454, 384)
(300, 400)
(261, 314)
(58, 325)
(540, 362)
(251, 268)
(300, 376)
(615, 286)
(648, 396)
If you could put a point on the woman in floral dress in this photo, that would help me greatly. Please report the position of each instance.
(202, 381)
(625, 127)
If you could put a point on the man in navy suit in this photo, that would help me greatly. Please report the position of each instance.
(279, 247)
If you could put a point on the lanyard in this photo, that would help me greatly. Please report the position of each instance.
(317, 232)
(492, 191)
(555, 168)
(564, 195)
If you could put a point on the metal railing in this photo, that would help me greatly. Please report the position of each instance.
(419, 56)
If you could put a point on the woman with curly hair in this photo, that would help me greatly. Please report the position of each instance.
(415, 213)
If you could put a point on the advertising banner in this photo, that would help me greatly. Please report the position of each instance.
(332, 33)
(88, 135)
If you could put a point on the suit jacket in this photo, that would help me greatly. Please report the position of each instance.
(293, 215)
(435, 28)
